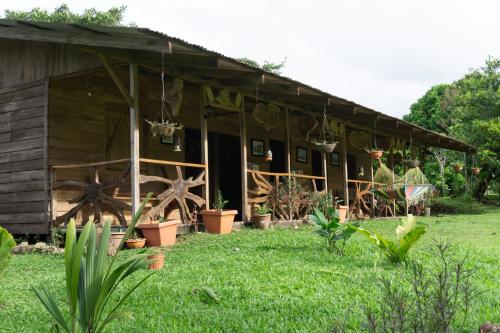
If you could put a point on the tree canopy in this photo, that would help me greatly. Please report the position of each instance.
(272, 67)
(469, 110)
(62, 14)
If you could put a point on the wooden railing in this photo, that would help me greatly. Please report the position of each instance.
(96, 195)
(364, 201)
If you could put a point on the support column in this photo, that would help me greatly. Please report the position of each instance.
(371, 175)
(466, 179)
(393, 179)
(204, 142)
(243, 152)
(325, 170)
(287, 142)
(134, 136)
(344, 170)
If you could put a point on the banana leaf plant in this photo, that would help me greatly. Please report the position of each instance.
(408, 233)
(7, 242)
(334, 233)
(92, 280)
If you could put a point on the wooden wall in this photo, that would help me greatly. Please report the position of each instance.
(23, 192)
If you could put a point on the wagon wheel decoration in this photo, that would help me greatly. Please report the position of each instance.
(98, 195)
(178, 190)
(360, 202)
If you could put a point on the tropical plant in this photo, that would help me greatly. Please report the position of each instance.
(91, 280)
(263, 209)
(7, 242)
(323, 202)
(334, 233)
(408, 233)
(220, 203)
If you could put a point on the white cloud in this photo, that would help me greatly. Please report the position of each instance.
(383, 54)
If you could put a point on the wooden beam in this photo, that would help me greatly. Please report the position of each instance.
(116, 79)
(134, 137)
(344, 170)
(243, 151)
(288, 164)
(204, 142)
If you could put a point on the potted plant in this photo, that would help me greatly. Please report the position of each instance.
(262, 216)
(135, 242)
(156, 259)
(458, 167)
(475, 170)
(218, 220)
(325, 146)
(375, 153)
(159, 232)
(115, 240)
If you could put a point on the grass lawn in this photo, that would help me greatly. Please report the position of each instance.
(268, 281)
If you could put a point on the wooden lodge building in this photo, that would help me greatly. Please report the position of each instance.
(81, 129)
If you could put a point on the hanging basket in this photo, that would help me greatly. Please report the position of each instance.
(375, 154)
(165, 129)
(411, 163)
(458, 167)
(325, 147)
(475, 170)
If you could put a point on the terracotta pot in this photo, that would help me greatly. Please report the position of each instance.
(376, 154)
(159, 261)
(115, 239)
(160, 234)
(137, 243)
(475, 171)
(412, 163)
(458, 168)
(262, 221)
(218, 222)
(342, 213)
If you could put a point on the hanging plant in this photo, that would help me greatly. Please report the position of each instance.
(164, 128)
(475, 170)
(374, 153)
(411, 163)
(458, 167)
(325, 142)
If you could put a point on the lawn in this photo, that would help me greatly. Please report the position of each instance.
(279, 280)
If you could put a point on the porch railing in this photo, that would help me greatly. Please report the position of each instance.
(364, 201)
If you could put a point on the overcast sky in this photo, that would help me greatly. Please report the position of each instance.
(381, 54)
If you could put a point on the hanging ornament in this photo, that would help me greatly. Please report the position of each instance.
(361, 171)
(269, 155)
(177, 144)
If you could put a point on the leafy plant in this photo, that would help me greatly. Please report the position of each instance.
(263, 209)
(91, 280)
(408, 233)
(334, 233)
(323, 202)
(220, 203)
(7, 242)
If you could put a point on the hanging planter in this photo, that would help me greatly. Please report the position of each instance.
(411, 163)
(475, 170)
(325, 146)
(325, 143)
(458, 167)
(375, 154)
(164, 128)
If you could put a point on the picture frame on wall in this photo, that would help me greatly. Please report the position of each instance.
(301, 154)
(257, 147)
(335, 158)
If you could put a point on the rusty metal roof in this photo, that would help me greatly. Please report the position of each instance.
(143, 39)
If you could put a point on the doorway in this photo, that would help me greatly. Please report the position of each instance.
(317, 169)
(278, 163)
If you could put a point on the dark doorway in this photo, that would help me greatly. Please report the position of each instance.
(351, 167)
(278, 163)
(225, 169)
(317, 170)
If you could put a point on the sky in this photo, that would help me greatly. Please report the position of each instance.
(382, 54)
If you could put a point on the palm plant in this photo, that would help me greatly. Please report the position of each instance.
(7, 242)
(91, 281)
(408, 233)
(334, 233)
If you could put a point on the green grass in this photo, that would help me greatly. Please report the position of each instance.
(268, 281)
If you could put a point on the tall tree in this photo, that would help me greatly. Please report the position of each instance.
(62, 14)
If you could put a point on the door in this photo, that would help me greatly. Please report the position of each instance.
(317, 169)
(278, 163)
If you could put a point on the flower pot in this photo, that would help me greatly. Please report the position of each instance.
(137, 243)
(412, 163)
(114, 242)
(218, 222)
(475, 171)
(376, 154)
(160, 234)
(326, 147)
(458, 168)
(262, 221)
(342, 213)
(158, 261)
(427, 211)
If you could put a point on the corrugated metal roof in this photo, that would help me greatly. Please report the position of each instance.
(149, 40)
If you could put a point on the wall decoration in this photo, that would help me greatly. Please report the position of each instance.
(257, 147)
(335, 158)
(302, 154)
(224, 99)
(266, 115)
(359, 140)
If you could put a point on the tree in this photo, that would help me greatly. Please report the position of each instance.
(469, 110)
(62, 14)
(272, 67)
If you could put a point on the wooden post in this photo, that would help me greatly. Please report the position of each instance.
(53, 208)
(371, 176)
(344, 170)
(243, 151)
(204, 142)
(287, 142)
(467, 187)
(134, 136)
(325, 170)
(393, 179)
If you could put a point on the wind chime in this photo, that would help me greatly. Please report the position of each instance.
(325, 142)
(166, 127)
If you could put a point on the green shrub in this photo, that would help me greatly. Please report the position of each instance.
(7, 242)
